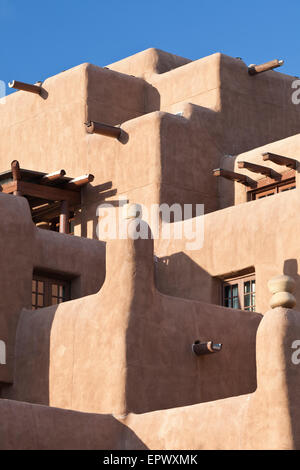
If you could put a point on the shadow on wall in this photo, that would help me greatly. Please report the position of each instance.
(152, 98)
(226, 188)
(97, 195)
(151, 101)
(162, 371)
(179, 276)
(32, 340)
(30, 427)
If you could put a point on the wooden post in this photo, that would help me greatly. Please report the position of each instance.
(64, 217)
(16, 174)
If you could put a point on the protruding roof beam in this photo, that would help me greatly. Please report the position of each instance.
(201, 348)
(79, 181)
(263, 170)
(280, 160)
(53, 176)
(93, 127)
(231, 175)
(25, 87)
(254, 69)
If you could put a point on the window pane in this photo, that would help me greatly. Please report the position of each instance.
(40, 301)
(231, 299)
(286, 189)
(235, 290)
(40, 287)
(227, 291)
(247, 287)
(253, 286)
(54, 289)
(247, 300)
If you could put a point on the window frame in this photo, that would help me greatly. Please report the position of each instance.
(240, 281)
(269, 186)
(49, 281)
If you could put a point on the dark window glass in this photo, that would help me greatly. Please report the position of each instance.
(240, 293)
(49, 291)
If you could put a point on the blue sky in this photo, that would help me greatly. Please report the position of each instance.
(40, 39)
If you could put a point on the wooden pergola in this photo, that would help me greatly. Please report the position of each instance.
(51, 196)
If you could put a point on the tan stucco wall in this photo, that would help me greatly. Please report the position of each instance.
(138, 348)
(262, 234)
(25, 248)
(224, 111)
(267, 419)
(133, 337)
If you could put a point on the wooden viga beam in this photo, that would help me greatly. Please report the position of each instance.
(25, 87)
(80, 181)
(46, 212)
(93, 127)
(280, 160)
(254, 69)
(263, 170)
(238, 177)
(53, 176)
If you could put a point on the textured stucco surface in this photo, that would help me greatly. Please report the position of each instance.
(25, 248)
(261, 234)
(113, 368)
(266, 419)
(139, 345)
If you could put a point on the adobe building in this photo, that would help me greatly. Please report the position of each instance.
(141, 343)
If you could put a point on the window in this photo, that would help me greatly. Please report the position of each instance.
(239, 292)
(231, 296)
(49, 291)
(249, 295)
(267, 187)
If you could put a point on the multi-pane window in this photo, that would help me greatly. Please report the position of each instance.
(267, 187)
(264, 192)
(249, 295)
(239, 292)
(49, 291)
(231, 297)
(38, 294)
